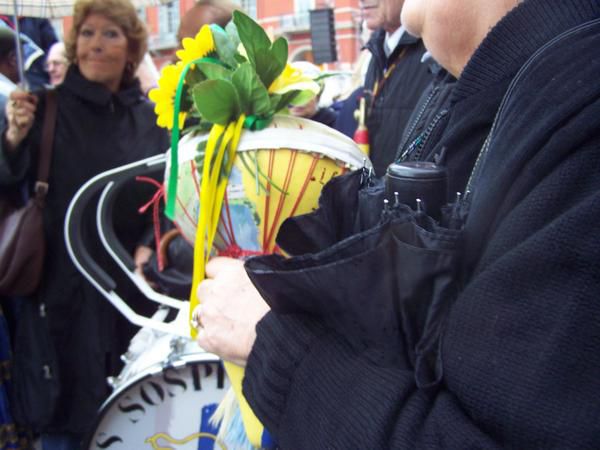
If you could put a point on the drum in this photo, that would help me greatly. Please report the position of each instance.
(278, 172)
(163, 399)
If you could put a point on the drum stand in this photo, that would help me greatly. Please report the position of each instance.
(109, 182)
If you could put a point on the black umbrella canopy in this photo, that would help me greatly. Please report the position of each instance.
(382, 276)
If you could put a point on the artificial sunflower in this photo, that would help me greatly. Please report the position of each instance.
(201, 46)
(164, 96)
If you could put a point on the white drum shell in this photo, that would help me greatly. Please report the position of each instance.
(163, 399)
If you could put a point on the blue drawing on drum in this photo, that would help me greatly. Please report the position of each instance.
(238, 228)
(207, 428)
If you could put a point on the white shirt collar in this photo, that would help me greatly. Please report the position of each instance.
(391, 40)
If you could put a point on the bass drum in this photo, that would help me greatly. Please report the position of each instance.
(166, 405)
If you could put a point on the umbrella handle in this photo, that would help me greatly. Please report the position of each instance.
(20, 64)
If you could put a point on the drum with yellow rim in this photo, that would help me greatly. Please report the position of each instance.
(278, 172)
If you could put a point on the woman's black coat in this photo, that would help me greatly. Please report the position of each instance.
(95, 131)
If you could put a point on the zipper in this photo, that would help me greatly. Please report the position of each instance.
(414, 124)
(415, 149)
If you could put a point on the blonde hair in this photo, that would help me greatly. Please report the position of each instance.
(121, 12)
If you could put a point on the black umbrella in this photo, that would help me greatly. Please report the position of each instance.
(381, 275)
(348, 204)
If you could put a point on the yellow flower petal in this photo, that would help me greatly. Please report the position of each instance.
(164, 97)
(199, 47)
(293, 79)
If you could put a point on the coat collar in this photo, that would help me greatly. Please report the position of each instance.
(505, 49)
(93, 92)
(376, 42)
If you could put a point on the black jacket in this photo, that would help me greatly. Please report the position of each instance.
(520, 351)
(395, 99)
(429, 118)
(95, 131)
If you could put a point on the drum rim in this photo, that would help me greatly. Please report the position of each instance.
(142, 376)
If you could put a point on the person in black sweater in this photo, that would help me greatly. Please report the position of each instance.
(520, 350)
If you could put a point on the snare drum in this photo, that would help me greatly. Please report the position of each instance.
(166, 405)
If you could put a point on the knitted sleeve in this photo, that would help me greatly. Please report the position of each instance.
(313, 392)
(521, 359)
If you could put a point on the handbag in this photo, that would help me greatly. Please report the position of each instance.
(22, 242)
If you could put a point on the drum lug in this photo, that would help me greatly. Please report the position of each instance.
(127, 357)
(177, 345)
(113, 382)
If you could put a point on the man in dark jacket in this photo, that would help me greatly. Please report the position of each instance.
(519, 352)
(393, 84)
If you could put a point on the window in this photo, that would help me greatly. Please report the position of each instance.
(303, 5)
(168, 18)
(249, 7)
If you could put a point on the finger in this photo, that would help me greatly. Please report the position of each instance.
(221, 263)
(205, 290)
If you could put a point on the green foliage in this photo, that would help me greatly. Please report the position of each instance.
(300, 98)
(213, 71)
(251, 35)
(283, 101)
(229, 84)
(268, 59)
(279, 50)
(254, 97)
(226, 44)
(217, 101)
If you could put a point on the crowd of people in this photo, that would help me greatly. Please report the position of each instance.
(502, 93)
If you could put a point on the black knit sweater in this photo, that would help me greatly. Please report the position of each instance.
(521, 348)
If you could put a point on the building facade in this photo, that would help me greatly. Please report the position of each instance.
(288, 18)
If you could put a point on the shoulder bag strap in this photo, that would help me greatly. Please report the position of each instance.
(45, 156)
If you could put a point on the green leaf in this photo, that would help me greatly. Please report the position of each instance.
(233, 35)
(194, 76)
(284, 101)
(241, 59)
(217, 101)
(279, 50)
(214, 71)
(267, 67)
(301, 97)
(226, 45)
(254, 97)
(251, 35)
(275, 99)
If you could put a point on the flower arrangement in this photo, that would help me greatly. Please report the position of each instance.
(224, 73)
(225, 80)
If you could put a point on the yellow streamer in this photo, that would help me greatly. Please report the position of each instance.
(212, 195)
(203, 215)
(236, 130)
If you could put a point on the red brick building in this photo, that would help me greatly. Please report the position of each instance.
(289, 18)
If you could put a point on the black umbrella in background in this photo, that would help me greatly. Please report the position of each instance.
(383, 275)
